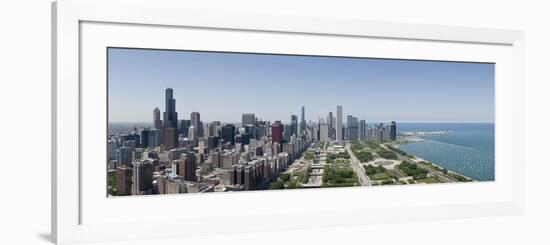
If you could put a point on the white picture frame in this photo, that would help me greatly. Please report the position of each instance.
(80, 215)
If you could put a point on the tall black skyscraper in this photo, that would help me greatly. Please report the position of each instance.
(330, 126)
(294, 124)
(393, 130)
(184, 127)
(228, 133)
(170, 114)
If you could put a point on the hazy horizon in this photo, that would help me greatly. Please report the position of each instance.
(222, 86)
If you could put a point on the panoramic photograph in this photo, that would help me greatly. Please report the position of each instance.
(202, 121)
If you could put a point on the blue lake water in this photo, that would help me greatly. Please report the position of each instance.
(467, 148)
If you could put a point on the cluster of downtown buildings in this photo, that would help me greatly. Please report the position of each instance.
(190, 156)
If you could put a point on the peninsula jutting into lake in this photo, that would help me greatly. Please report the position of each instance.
(196, 136)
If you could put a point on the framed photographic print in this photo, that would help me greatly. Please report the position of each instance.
(181, 119)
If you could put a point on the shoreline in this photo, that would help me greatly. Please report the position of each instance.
(418, 159)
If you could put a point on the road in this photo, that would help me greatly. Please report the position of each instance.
(356, 165)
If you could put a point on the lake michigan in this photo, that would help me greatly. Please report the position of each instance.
(465, 148)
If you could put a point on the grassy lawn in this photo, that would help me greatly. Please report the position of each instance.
(334, 176)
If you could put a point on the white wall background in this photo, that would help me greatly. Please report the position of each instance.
(25, 122)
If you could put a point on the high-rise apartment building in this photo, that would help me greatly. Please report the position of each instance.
(277, 133)
(142, 178)
(187, 168)
(123, 181)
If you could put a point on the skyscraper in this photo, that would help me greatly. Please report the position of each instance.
(228, 133)
(124, 156)
(362, 130)
(294, 124)
(329, 124)
(170, 138)
(338, 126)
(144, 137)
(323, 132)
(277, 133)
(248, 119)
(287, 132)
(157, 122)
(303, 121)
(154, 138)
(170, 114)
(393, 131)
(196, 121)
(124, 181)
(142, 178)
(184, 127)
(192, 135)
(352, 128)
(380, 132)
(188, 167)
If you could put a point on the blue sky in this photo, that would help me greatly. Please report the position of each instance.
(221, 86)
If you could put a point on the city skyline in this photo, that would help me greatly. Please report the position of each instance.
(245, 122)
(135, 70)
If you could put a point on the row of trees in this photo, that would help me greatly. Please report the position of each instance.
(387, 154)
(280, 183)
(370, 170)
(413, 170)
(338, 177)
(364, 156)
(398, 151)
(434, 167)
(360, 152)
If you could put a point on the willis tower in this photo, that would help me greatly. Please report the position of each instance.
(170, 117)
(170, 114)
